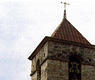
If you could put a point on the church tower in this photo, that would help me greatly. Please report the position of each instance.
(65, 55)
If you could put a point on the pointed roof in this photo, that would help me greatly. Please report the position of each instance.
(66, 31)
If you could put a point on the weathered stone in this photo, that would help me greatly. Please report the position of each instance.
(54, 58)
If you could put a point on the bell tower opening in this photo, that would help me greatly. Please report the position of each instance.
(74, 67)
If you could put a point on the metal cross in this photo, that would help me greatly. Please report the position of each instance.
(65, 4)
(65, 8)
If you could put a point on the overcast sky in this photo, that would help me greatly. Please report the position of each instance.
(24, 23)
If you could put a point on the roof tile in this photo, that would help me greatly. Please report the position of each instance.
(67, 31)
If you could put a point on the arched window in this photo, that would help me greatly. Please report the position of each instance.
(38, 68)
(74, 68)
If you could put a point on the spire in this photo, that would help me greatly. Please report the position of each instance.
(65, 8)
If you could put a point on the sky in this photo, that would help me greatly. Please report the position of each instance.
(24, 23)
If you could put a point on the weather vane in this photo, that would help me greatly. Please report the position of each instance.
(65, 8)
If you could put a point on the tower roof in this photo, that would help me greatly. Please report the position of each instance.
(66, 31)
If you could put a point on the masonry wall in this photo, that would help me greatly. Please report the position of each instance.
(57, 70)
(42, 55)
(56, 66)
(56, 48)
(88, 72)
(88, 55)
(44, 71)
(34, 76)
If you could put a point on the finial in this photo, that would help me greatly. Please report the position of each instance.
(65, 8)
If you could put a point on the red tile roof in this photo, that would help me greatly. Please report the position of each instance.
(66, 31)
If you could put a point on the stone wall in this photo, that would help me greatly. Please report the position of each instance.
(42, 55)
(57, 50)
(88, 72)
(57, 70)
(64, 51)
(61, 52)
(34, 76)
(44, 71)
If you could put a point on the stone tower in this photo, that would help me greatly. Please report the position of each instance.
(66, 55)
